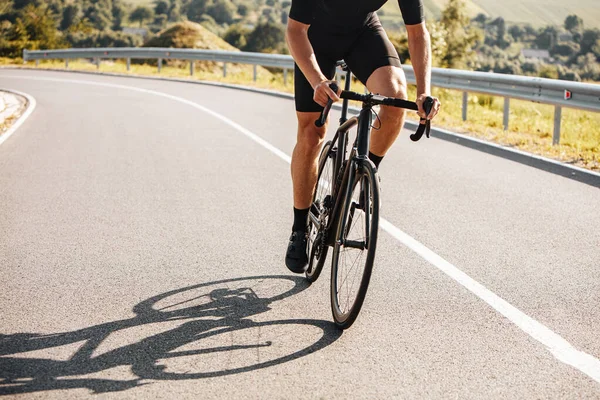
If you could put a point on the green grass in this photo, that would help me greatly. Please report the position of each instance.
(530, 124)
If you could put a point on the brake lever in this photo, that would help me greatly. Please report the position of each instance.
(426, 127)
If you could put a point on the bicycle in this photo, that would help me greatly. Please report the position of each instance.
(344, 213)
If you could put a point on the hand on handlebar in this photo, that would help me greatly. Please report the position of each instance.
(323, 92)
(434, 108)
(428, 107)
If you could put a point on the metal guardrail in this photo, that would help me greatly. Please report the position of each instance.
(559, 93)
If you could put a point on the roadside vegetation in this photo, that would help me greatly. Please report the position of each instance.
(463, 37)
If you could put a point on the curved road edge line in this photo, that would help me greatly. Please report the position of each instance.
(559, 347)
(31, 103)
(552, 166)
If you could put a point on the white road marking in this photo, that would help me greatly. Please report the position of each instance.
(30, 107)
(556, 345)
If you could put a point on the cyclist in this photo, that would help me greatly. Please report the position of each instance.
(321, 32)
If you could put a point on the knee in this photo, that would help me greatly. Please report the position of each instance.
(310, 135)
(395, 114)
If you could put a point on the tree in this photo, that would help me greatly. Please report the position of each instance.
(546, 38)
(35, 27)
(573, 24)
(481, 19)
(242, 10)
(502, 40)
(160, 21)
(460, 38)
(517, 32)
(174, 12)
(266, 37)
(119, 13)
(69, 16)
(590, 42)
(236, 36)
(141, 14)
(568, 49)
(5, 6)
(222, 11)
(197, 8)
(530, 68)
(161, 7)
(20, 4)
(99, 13)
(589, 68)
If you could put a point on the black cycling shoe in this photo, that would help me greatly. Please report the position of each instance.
(295, 258)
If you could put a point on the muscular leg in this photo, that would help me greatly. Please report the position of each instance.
(305, 158)
(387, 81)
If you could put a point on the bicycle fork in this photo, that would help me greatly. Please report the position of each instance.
(359, 151)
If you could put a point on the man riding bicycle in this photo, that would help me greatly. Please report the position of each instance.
(321, 32)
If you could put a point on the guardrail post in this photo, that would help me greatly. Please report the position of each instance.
(224, 69)
(191, 67)
(159, 64)
(97, 62)
(254, 72)
(66, 63)
(465, 102)
(285, 77)
(128, 64)
(37, 63)
(557, 119)
(506, 113)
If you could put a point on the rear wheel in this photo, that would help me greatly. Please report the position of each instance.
(355, 244)
(319, 212)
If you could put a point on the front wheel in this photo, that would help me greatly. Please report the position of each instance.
(319, 213)
(355, 243)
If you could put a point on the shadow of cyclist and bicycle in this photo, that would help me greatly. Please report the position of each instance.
(207, 333)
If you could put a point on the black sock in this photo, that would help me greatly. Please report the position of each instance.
(300, 219)
(376, 159)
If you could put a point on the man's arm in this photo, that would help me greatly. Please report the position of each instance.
(419, 46)
(304, 55)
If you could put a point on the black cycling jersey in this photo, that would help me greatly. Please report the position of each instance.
(348, 30)
(350, 13)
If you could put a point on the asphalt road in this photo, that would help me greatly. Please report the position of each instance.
(142, 241)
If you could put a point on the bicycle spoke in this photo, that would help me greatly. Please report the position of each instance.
(356, 262)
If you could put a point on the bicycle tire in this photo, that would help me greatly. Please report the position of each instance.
(316, 247)
(364, 178)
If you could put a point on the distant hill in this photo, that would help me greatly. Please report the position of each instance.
(188, 35)
(535, 12)
(191, 35)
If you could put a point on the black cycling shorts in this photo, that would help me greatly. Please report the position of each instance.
(364, 50)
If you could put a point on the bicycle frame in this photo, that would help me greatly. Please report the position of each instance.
(360, 150)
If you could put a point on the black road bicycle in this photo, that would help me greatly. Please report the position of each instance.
(344, 213)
